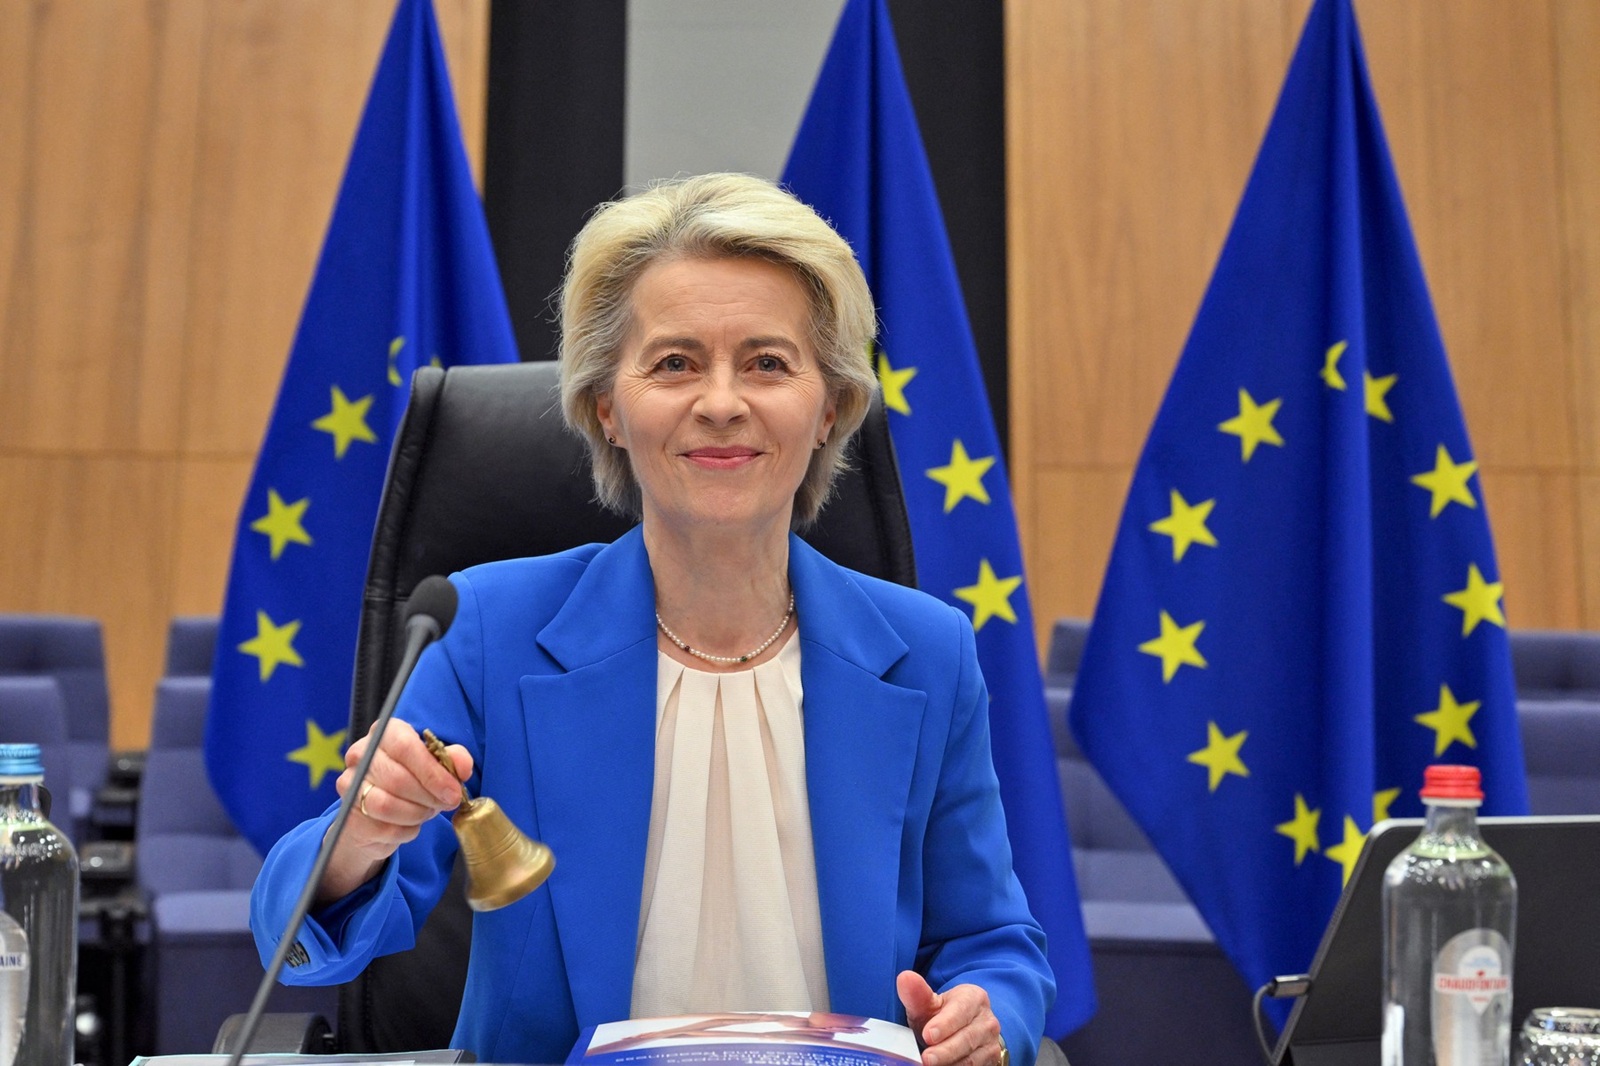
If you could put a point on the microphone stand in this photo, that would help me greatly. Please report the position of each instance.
(421, 630)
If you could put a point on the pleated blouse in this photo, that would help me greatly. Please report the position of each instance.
(729, 918)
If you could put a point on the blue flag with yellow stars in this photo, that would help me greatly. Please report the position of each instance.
(1302, 608)
(858, 160)
(406, 278)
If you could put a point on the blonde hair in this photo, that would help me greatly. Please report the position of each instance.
(713, 216)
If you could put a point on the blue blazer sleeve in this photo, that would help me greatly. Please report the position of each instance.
(976, 924)
(383, 915)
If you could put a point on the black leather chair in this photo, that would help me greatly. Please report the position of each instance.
(482, 469)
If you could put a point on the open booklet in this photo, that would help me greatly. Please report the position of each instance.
(759, 1039)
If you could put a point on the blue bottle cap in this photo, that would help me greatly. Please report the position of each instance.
(20, 760)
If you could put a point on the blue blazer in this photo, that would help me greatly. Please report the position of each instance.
(548, 676)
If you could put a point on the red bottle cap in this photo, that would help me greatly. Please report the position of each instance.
(1452, 783)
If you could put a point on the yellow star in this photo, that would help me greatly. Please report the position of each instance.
(1221, 754)
(1253, 424)
(1377, 391)
(272, 645)
(1175, 646)
(395, 347)
(990, 597)
(347, 422)
(282, 522)
(323, 753)
(894, 384)
(1348, 850)
(1479, 601)
(1331, 375)
(1186, 525)
(1449, 721)
(1302, 828)
(963, 478)
(1447, 481)
(1380, 803)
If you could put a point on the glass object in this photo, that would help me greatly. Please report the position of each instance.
(1560, 1036)
(1449, 923)
(38, 920)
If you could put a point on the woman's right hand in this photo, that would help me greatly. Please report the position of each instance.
(405, 787)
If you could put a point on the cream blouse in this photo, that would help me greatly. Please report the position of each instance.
(729, 917)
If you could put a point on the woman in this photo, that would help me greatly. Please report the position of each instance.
(638, 706)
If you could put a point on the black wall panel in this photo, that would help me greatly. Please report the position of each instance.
(556, 124)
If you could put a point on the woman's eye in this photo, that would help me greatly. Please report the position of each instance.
(770, 364)
(675, 364)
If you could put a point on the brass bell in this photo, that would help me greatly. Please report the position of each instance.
(503, 863)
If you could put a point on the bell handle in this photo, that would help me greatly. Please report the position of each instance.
(436, 748)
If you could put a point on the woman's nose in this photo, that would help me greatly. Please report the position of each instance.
(721, 400)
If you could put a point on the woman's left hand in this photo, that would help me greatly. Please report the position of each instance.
(955, 1028)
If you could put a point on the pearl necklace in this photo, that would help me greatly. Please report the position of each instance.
(730, 659)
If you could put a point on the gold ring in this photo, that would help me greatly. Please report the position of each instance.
(366, 790)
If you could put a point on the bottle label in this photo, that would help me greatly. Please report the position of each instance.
(13, 986)
(1471, 996)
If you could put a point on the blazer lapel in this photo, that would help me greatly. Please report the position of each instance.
(861, 737)
(591, 738)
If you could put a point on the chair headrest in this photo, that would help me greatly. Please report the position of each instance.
(483, 468)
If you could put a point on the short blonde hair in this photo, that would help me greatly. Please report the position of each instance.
(713, 216)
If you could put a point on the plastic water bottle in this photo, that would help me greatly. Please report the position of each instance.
(1449, 927)
(38, 920)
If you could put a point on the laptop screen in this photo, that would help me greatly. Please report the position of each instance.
(1556, 861)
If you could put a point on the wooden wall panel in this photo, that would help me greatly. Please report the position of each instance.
(91, 535)
(1078, 511)
(171, 168)
(1131, 128)
(269, 167)
(1535, 516)
(78, 201)
(1589, 547)
(1577, 50)
(1468, 93)
(210, 492)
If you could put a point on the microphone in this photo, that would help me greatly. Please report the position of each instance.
(429, 612)
(432, 607)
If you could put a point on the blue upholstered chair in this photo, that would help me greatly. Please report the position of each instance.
(196, 871)
(33, 711)
(1561, 746)
(191, 642)
(179, 720)
(1067, 638)
(1553, 664)
(71, 651)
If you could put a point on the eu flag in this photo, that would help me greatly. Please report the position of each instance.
(406, 278)
(858, 160)
(1302, 607)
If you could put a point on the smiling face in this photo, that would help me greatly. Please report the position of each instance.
(719, 398)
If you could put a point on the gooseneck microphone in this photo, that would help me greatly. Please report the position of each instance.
(429, 612)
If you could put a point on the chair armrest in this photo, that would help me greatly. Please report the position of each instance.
(1051, 1053)
(105, 866)
(126, 769)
